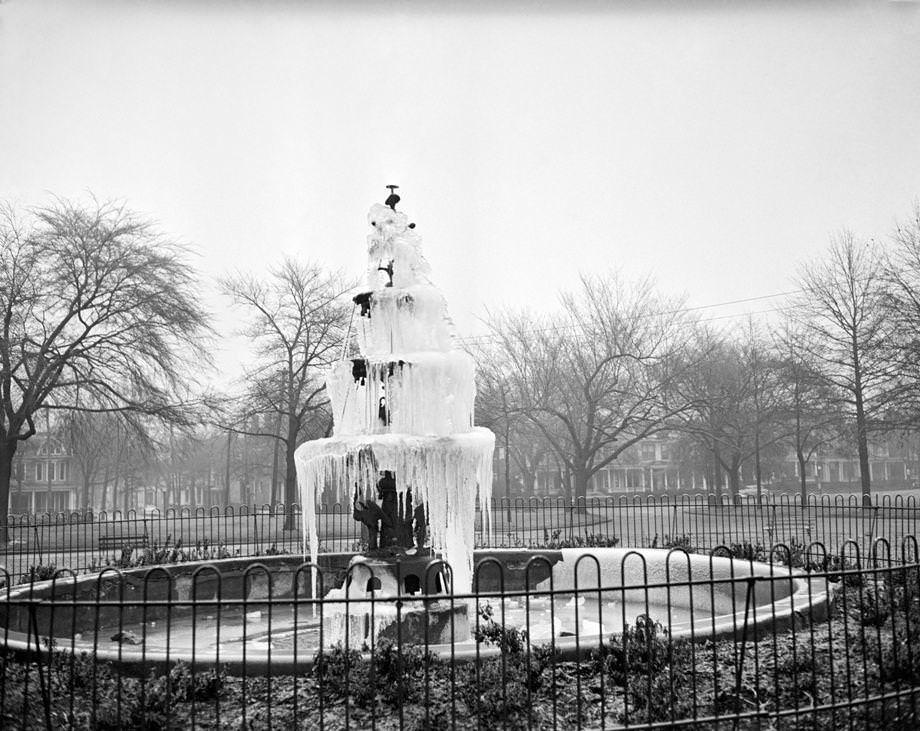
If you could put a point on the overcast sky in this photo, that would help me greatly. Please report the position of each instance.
(714, 147)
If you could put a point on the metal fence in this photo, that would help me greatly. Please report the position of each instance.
(816, 639)
(86, 541)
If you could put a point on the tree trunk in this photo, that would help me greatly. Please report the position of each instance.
(7, 452)
(115, 491)
(581, 479)
(508, 471)
(85, 499)
(758, 473)
(862, 445)
(734, 481)
(227, 475)
(862, 432)
(716, 487)
(530, 481)
(276, 451)
(528, 474)
(804, 489)
(105, 491)
(290, 475)
(273, 500)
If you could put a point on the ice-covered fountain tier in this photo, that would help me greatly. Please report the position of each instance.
(404, 447)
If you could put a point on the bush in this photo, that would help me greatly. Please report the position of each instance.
(105, 699)
(490, 632)
(651, 666)
(591, 540)
(644, 649)
(748, 551)
(683, 542)
(393, 675)
(39, 572)
(157, 553)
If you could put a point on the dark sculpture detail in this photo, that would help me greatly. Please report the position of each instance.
(363, 301)
(392, 525)
(389, 270)
(359, 370)
(393, 197)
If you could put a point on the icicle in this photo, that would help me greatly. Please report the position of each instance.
(425, 389)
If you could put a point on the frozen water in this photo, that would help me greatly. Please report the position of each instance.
(404, 320)
(448, 474)
(405, 406)
(392, 243)
(423, 393)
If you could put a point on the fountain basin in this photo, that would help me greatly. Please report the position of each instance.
(261, 617)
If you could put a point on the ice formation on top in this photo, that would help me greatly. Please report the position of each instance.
(404, 405)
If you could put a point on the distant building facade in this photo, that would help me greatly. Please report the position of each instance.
(43, 478)
(654, 466)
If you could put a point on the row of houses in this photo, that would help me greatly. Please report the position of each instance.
(657, 466)
(46, 478)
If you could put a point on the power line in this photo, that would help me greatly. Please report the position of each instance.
(472, 339)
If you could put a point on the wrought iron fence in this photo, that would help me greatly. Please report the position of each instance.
(86, 541)
(809, 638)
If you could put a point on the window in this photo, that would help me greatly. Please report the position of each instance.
(62, 471)
(647, 452)
(21, 503)
(665, 452)
(598, 481)
(39, 471)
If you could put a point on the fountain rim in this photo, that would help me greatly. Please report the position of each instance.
(807, 601)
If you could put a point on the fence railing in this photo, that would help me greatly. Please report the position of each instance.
(821, 639)
(85, 541)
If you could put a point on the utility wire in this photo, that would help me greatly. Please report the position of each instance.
(473, 339)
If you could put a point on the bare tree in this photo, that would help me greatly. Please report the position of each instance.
(95, 305)
(735, 408)
(849, 330)
(813, 419)
(297, 323)
(903, 276)
(598, 377)
(523, 444)
(90, 438)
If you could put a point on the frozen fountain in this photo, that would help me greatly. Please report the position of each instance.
(404, 448)
(405, 454)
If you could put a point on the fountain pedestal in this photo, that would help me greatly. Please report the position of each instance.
(380, 603)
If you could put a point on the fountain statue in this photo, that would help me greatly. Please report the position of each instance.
(404, 448)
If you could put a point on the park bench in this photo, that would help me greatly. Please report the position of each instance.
(116, 541)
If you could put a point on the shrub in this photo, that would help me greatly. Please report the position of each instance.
(591, 540)
(39, 572)
(682, 541)
(490, 632)
(202, 685)
(157, 553)
(394, 675)
(748, 551)
(339, 670)
(643, 649)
